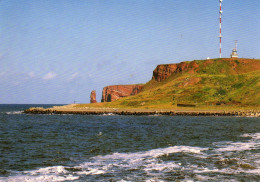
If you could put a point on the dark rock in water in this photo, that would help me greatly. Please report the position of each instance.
(227, 162)
(246, 166)
(3, 172)
(93, 97)
(73, 169)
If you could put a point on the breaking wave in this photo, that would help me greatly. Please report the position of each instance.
(229, 160)
(14, 112)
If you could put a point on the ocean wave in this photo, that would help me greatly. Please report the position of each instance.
(14, 112)
(252, 135)
(251, 144)
(48, 174)
(147, 162)
(235, 158)
(229, 160)
(108, 114)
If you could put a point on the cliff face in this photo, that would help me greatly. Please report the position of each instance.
(162, 72)
(115, 92)
(212, 66)
(221, 81)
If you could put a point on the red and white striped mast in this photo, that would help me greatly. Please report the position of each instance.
(220, 36)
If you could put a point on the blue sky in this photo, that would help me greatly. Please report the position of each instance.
(58, 51)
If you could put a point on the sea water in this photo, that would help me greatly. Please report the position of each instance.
(127, 148)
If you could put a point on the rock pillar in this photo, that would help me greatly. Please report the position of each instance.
(93, 97)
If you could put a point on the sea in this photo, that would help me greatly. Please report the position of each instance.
(112, 148)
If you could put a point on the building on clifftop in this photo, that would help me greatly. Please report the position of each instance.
(234, 51)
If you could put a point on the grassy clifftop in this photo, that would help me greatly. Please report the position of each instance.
(203, 83)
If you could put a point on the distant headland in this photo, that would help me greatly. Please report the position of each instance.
(223, 86)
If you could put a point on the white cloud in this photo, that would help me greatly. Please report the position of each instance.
(74, 75)
(90, 75)
(49, 76)
(31, 74)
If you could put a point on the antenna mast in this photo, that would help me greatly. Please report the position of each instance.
(220, 36)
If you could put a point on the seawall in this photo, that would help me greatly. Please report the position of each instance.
(251, 113)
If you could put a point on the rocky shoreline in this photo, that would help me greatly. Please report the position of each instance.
(140, 112)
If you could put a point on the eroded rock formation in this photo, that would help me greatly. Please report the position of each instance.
(115, 92)
(162, 72)
(93, 97)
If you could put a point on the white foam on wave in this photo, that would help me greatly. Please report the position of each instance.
(237, 146)
(252, 135)
(47, 174)
(14, 112)
(251, 144)
(151, 154)
(147, 161)
(248, 164)
(228, 171)
(48, 170)
(154, 153)
(152, 163)
(108, 114)
(163, 167)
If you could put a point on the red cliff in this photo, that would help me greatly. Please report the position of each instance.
(93, 97)
(162, 72)
(211, 66)
(115, 92)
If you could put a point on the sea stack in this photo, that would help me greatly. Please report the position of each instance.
(93, 97)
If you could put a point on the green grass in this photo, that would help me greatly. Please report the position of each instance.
(233, 82)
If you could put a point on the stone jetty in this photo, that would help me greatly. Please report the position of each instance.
(139, 112)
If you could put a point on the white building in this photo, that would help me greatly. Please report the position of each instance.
(234, 51)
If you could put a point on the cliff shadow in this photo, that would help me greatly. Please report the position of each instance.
(109, 98)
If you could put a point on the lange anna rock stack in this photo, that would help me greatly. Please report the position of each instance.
(93, 97)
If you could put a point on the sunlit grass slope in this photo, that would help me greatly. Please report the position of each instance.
(224, 82)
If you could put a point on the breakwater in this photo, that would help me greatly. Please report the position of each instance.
(251, 113)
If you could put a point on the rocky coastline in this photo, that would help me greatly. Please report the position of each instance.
(141, 112)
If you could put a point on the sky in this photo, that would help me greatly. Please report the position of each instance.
(58, 51)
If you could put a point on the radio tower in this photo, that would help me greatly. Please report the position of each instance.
(220, 36)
